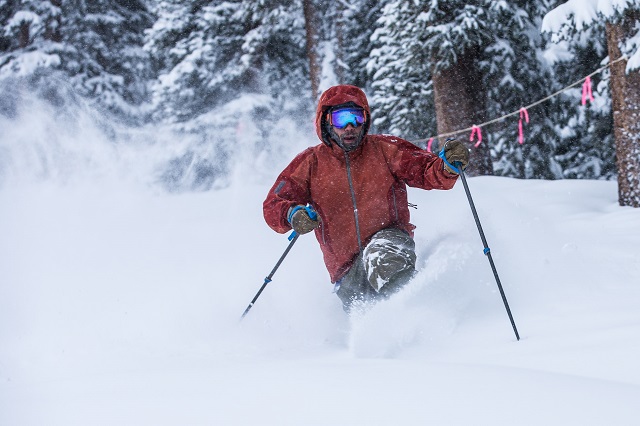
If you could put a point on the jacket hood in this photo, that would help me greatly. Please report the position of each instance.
(338, 95)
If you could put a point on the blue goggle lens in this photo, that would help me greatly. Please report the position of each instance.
(342, 117)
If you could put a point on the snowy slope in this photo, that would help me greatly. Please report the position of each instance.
(121, 305)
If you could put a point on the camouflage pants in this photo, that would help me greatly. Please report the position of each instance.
(386, 264)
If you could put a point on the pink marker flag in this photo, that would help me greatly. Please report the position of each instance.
(476, 130)
(586, 91)
(429, 145)
(525, 114)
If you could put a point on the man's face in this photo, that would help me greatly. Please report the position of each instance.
(350, 136)
(347, 125)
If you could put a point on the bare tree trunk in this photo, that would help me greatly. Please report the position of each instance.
(311, 27)
(339, 44)
(460, 104)
(625, 96)
(23, 38)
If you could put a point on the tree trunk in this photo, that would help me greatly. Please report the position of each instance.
(625, 97)
(23, 38)
(339, 43)
(460, 104)
(311, 27)
(52, 31)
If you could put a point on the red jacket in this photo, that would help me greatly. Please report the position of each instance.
(380, 168)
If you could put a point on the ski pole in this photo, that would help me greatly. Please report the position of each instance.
(487, 250)
(293, 237)
(267, 280)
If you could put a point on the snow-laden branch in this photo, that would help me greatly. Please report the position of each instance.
(577, 15)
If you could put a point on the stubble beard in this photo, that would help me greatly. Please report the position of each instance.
(350, 139)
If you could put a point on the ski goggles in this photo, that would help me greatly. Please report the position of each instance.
(343, 117)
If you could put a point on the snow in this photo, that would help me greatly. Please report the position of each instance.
(28, 63)
(121, 304)
(580, 14)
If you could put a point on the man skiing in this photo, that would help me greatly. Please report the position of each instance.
(351, 189)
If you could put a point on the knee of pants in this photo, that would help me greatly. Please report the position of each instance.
(391, 252)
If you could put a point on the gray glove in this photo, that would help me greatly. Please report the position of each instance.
(455, 151)
(300, 220)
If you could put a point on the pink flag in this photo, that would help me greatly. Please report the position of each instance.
(586, 91)
(525, 114)
(429, 145)
(476, 130)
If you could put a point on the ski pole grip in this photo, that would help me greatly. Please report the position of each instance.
(310, 211)
(451, 166)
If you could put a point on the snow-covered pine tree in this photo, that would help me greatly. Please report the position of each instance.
(274, 48)
(485, 60)
(196, 49)
(446, 50)
(453, 36)
(353, 24)
(516, 74)
(105, 54)
(569, 21)
(585, 147)
(93, 49)
(207, 53)
(7, 9)
(400, 74)
(31, 34)
(228, 73)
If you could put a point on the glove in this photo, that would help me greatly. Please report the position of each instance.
(455, 151)
(300, 220)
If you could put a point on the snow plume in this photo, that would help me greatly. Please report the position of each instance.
(50, 134)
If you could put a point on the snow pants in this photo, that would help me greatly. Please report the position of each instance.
(386, 264)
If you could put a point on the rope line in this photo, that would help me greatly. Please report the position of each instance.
(495, 120)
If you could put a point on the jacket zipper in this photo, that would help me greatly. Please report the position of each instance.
(395, 204)
(353, 200)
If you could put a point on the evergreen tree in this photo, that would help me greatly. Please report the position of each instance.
(424, 66)
(229, 72)
(353, 25)
(620, 20)
(453, 35)
(94, 47)
(516, 74)
(208, 53)
(31, 36)
(585, 133)
(106, 58)
(196, 50)
(466, 63)
(400, 75)
(274, 49)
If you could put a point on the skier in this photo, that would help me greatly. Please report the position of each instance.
(354, 185)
